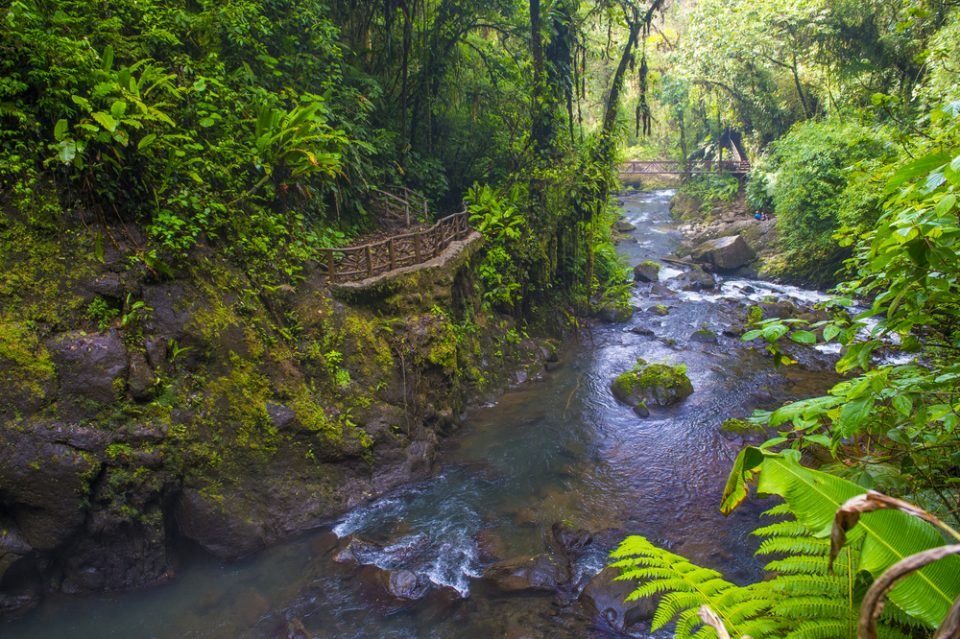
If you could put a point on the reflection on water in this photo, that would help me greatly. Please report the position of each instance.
(557, 450)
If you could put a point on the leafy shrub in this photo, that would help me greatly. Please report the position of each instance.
(812, 169)
(710, 188)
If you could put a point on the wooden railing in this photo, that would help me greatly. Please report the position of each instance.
(409, 249)
(672, 167)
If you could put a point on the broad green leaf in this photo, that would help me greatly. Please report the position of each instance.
(67, 151)
(903, 404)
(738, 482)
(854, 414)
(107, 58)
(889, 536)
(830, 331)
(146, 141)
(60, 130)
(751, 335)
(803, 337)
(105, 120)
(946, 203)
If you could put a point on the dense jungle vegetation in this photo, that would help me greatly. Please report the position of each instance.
(260, 129)
(850, 111)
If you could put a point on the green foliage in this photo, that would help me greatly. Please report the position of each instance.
(203, 123)
(711, 188)
(893, 426)
(807, 596)
(499, 219)
(810, 168)
(102, 312)
(25, 366)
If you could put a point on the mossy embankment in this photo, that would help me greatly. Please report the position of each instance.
(138, 408)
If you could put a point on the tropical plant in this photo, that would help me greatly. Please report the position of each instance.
(821, 572)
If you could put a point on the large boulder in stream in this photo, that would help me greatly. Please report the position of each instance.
(661, 384)
(724, 253)
(603, 599)
(696, 279)
(646, 271)
(527, 574)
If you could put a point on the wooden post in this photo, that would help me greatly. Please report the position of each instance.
(390, 251)
(416, 245)
(406, 212)
(369, 261)
(331, 266)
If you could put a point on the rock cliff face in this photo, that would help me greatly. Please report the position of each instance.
(138, 409)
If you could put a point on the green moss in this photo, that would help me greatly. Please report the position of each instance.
(651, 265)
(25, 366)
(660, 309)
(740, 427)
(659, 383)
(40, 262)
(234, 408)
(313, 416)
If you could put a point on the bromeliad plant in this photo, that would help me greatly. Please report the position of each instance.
(832, 541)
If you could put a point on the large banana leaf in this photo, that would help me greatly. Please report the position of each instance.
(888, 535)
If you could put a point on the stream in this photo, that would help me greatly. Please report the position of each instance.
(557, 449)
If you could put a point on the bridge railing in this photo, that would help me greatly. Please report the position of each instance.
(353, 263)
(673, 167)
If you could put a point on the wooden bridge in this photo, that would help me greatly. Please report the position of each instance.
(673, 167)
(360, 262)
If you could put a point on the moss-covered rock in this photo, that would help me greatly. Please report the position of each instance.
(647, 271)
(659, 384)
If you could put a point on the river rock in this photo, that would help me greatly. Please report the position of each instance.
(227, 535)
(696, 279)
(295, 630)
(615, 313)
(623, 226)
(603, 599)
(12, 546)
(526, 574)
(46, 500)
(661, 384)
(704, 336)
(354, 550)
(569, 541)
(648, 271)
(724, 253)
(90, 365)
(402, 585)
(140, 380)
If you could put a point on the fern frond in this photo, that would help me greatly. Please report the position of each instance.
(780, 510)
(794, 545)
(685, 587)
(805, 584)
(799, 565)
(813, 607)
(823, 629)
(785, 528)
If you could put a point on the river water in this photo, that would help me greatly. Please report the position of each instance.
(558, 449)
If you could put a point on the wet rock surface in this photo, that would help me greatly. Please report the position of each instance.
(519, 574)
(603, 599)
(725, 253)
(89, 366)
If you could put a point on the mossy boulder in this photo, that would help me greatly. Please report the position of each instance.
(659, 384)
(647, 271)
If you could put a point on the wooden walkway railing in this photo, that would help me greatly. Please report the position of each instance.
(672, 167)
(353, 263)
